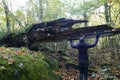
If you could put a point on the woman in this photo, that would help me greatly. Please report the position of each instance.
(83, 55)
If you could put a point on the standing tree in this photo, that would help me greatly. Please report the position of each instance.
(7, 15)
(85, 13)
(107, 11)
(40, 11)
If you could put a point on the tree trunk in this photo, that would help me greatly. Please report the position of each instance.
(56, 31)
(40, 13)
(106, 13)
(7, 15)
(85, 14)
(119, 55)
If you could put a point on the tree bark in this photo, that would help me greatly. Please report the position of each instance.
(7, 15)
(40, 13)
(56, 31)
(107, 15)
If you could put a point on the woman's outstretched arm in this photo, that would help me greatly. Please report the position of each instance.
(95, 43)
(72, 44)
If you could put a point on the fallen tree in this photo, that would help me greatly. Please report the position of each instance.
(55, 30)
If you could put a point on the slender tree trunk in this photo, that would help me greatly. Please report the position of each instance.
(40, 13)
(106, 13)
(85, 15)
(119, 55)
(7, 15)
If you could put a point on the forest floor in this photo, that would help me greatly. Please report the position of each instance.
(97, 72)
(68, 73)
(73, 74)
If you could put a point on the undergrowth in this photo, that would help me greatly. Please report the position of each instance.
(23, 64)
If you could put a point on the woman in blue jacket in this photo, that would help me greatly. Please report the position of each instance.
(83, 55)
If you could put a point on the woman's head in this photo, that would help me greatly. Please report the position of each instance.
(81, 40)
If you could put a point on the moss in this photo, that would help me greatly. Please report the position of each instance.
(23, 64)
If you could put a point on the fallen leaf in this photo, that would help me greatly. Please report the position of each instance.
(10, 61)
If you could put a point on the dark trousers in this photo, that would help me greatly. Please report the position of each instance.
(83, 65)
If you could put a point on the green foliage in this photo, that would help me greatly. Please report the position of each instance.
(22, 64)
(52, 63)
(4, 36)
